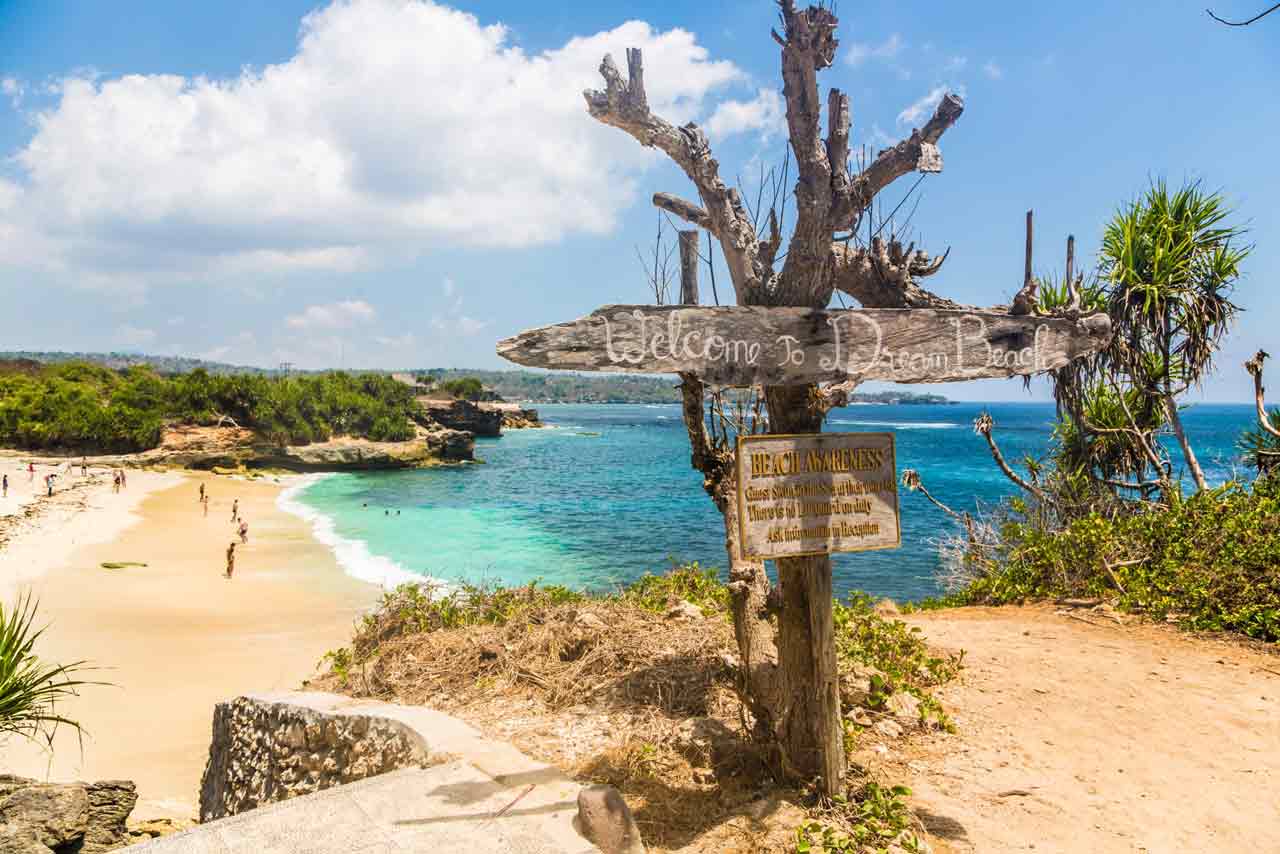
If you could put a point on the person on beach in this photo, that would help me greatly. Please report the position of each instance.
(5, 493)
(204, 499)
(48, 482)
(84, 466)
(235, 509)
(244, 532)
(31, 472)
(123, 482)
(201, 498)
(115, 481)
(231, 558)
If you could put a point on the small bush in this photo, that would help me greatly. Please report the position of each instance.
(689, 581)
(873, 821)
(895, 649)
(1212, 560)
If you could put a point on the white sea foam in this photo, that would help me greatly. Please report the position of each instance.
(899, 425)
(353, 555)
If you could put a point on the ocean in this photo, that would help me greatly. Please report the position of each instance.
(606, 494)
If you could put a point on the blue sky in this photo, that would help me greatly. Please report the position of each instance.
(400, 184)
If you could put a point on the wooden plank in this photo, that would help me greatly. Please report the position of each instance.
(817, 493)
(751, 345)
(689, 267)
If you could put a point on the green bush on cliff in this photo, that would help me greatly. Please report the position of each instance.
(81, 407)
(1211, 561)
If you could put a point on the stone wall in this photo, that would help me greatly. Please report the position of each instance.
(264, 751)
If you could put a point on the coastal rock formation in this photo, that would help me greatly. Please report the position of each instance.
(264, 751)
(476, 418)
(515, 417)
(234, 447)
(38, 818)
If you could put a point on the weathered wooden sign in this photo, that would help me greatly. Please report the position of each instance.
(816, 494)
(751, 345)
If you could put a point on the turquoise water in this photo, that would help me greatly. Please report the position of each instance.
(607, 494)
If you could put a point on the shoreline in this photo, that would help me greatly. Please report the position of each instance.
(173, 637)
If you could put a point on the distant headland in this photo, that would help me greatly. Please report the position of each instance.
(513, 385)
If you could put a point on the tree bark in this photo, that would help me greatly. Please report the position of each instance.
(689, 267)
(810, 732)
(1193, 464)
(749, 606)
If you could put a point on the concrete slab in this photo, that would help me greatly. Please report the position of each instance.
(445, 808)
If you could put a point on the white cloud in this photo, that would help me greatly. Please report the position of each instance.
(957, 63)
(133, 336)
(992, 70)
(13, 89)
(765, 113)
(334, 315)
(397, 125)
(923, 108)
(860, 52)
(447, 286)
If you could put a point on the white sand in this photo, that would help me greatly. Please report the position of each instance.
(176, 635)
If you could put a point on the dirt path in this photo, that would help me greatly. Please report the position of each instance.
(1099, 738)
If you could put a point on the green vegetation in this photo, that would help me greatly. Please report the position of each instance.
(30, 688)
(1105, 514)
(876, 820)
(464, 388)
(897, 652)
(1210, 562)
(77, 406)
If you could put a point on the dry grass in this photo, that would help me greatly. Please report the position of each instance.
(613, 690)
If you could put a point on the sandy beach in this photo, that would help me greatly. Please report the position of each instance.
(173, 637)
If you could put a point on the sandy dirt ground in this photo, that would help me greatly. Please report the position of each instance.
(173, 637)
(1095, 736)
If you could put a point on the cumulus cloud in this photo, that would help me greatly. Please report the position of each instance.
(396, 125)
(765, 113)
(860, 52)
(919, 112)
(334, 315)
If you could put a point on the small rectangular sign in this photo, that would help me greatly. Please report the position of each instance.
(816, 494)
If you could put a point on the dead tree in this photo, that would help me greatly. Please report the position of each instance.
(804, 713)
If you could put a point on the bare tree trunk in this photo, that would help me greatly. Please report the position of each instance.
(1193, 464)
(810, 732)
(749, 605)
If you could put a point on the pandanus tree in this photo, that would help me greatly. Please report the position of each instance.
(790, 685)
(1169, 262)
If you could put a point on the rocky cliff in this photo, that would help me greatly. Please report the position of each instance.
(233, 447)
(477, 418)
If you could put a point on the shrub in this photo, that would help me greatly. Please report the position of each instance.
(1212, 561)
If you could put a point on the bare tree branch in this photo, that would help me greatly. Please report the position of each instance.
(883, 275)
(808, 47)
(919, 153)
(983, 425)
(624, 105)
(1256, 17)
(1254, 367)
(687, 211)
